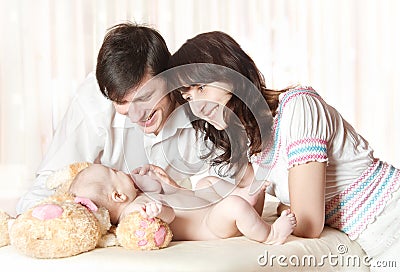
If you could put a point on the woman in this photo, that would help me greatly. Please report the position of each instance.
(317, 163)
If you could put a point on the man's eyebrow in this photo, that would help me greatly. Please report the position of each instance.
(142, 96)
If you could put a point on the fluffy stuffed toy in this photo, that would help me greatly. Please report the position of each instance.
(63, 225)
(136, 232)
(4, 236)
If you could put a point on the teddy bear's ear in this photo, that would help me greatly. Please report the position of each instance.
(103, 217)
(62, 179)
(86, 202)
(101, 213)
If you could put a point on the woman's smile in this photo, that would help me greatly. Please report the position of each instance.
(211, 113)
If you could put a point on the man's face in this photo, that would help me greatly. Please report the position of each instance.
(147, 105)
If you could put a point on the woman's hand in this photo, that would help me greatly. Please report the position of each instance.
(281, 207)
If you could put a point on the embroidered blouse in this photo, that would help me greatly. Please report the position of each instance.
(306, 129)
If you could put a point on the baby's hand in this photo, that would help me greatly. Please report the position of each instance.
(151, 209)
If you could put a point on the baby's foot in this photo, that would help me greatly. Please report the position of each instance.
(281, 228)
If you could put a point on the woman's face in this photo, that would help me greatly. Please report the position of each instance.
(207, 101)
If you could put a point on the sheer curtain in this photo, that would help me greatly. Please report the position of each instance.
(347, 50)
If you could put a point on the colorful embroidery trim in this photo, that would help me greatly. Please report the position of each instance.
(358, 205)
(269, 157)
(306, 150)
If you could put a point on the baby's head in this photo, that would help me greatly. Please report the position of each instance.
(106, 187)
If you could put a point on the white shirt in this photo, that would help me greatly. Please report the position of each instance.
(92, 131)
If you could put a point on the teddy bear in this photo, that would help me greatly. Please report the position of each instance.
(60, 226)
(64, 225)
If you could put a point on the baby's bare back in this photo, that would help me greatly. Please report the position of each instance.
(191, 225)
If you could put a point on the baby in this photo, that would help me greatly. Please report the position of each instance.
(232, 216)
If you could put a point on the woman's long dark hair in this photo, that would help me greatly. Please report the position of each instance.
(247, 105)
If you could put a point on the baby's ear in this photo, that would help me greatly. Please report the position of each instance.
(118, 197)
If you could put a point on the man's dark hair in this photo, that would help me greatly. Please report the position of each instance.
(129, 52)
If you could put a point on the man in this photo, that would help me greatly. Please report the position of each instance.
(95, 127)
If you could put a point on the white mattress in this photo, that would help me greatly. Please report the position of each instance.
(333, 251)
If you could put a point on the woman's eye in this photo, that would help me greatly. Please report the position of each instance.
(186, 97)
(201, 87)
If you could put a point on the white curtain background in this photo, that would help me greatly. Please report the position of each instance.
(347, 50)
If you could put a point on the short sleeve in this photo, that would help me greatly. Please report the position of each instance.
(306, 128)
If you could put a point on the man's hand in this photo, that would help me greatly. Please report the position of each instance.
(157, 173)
